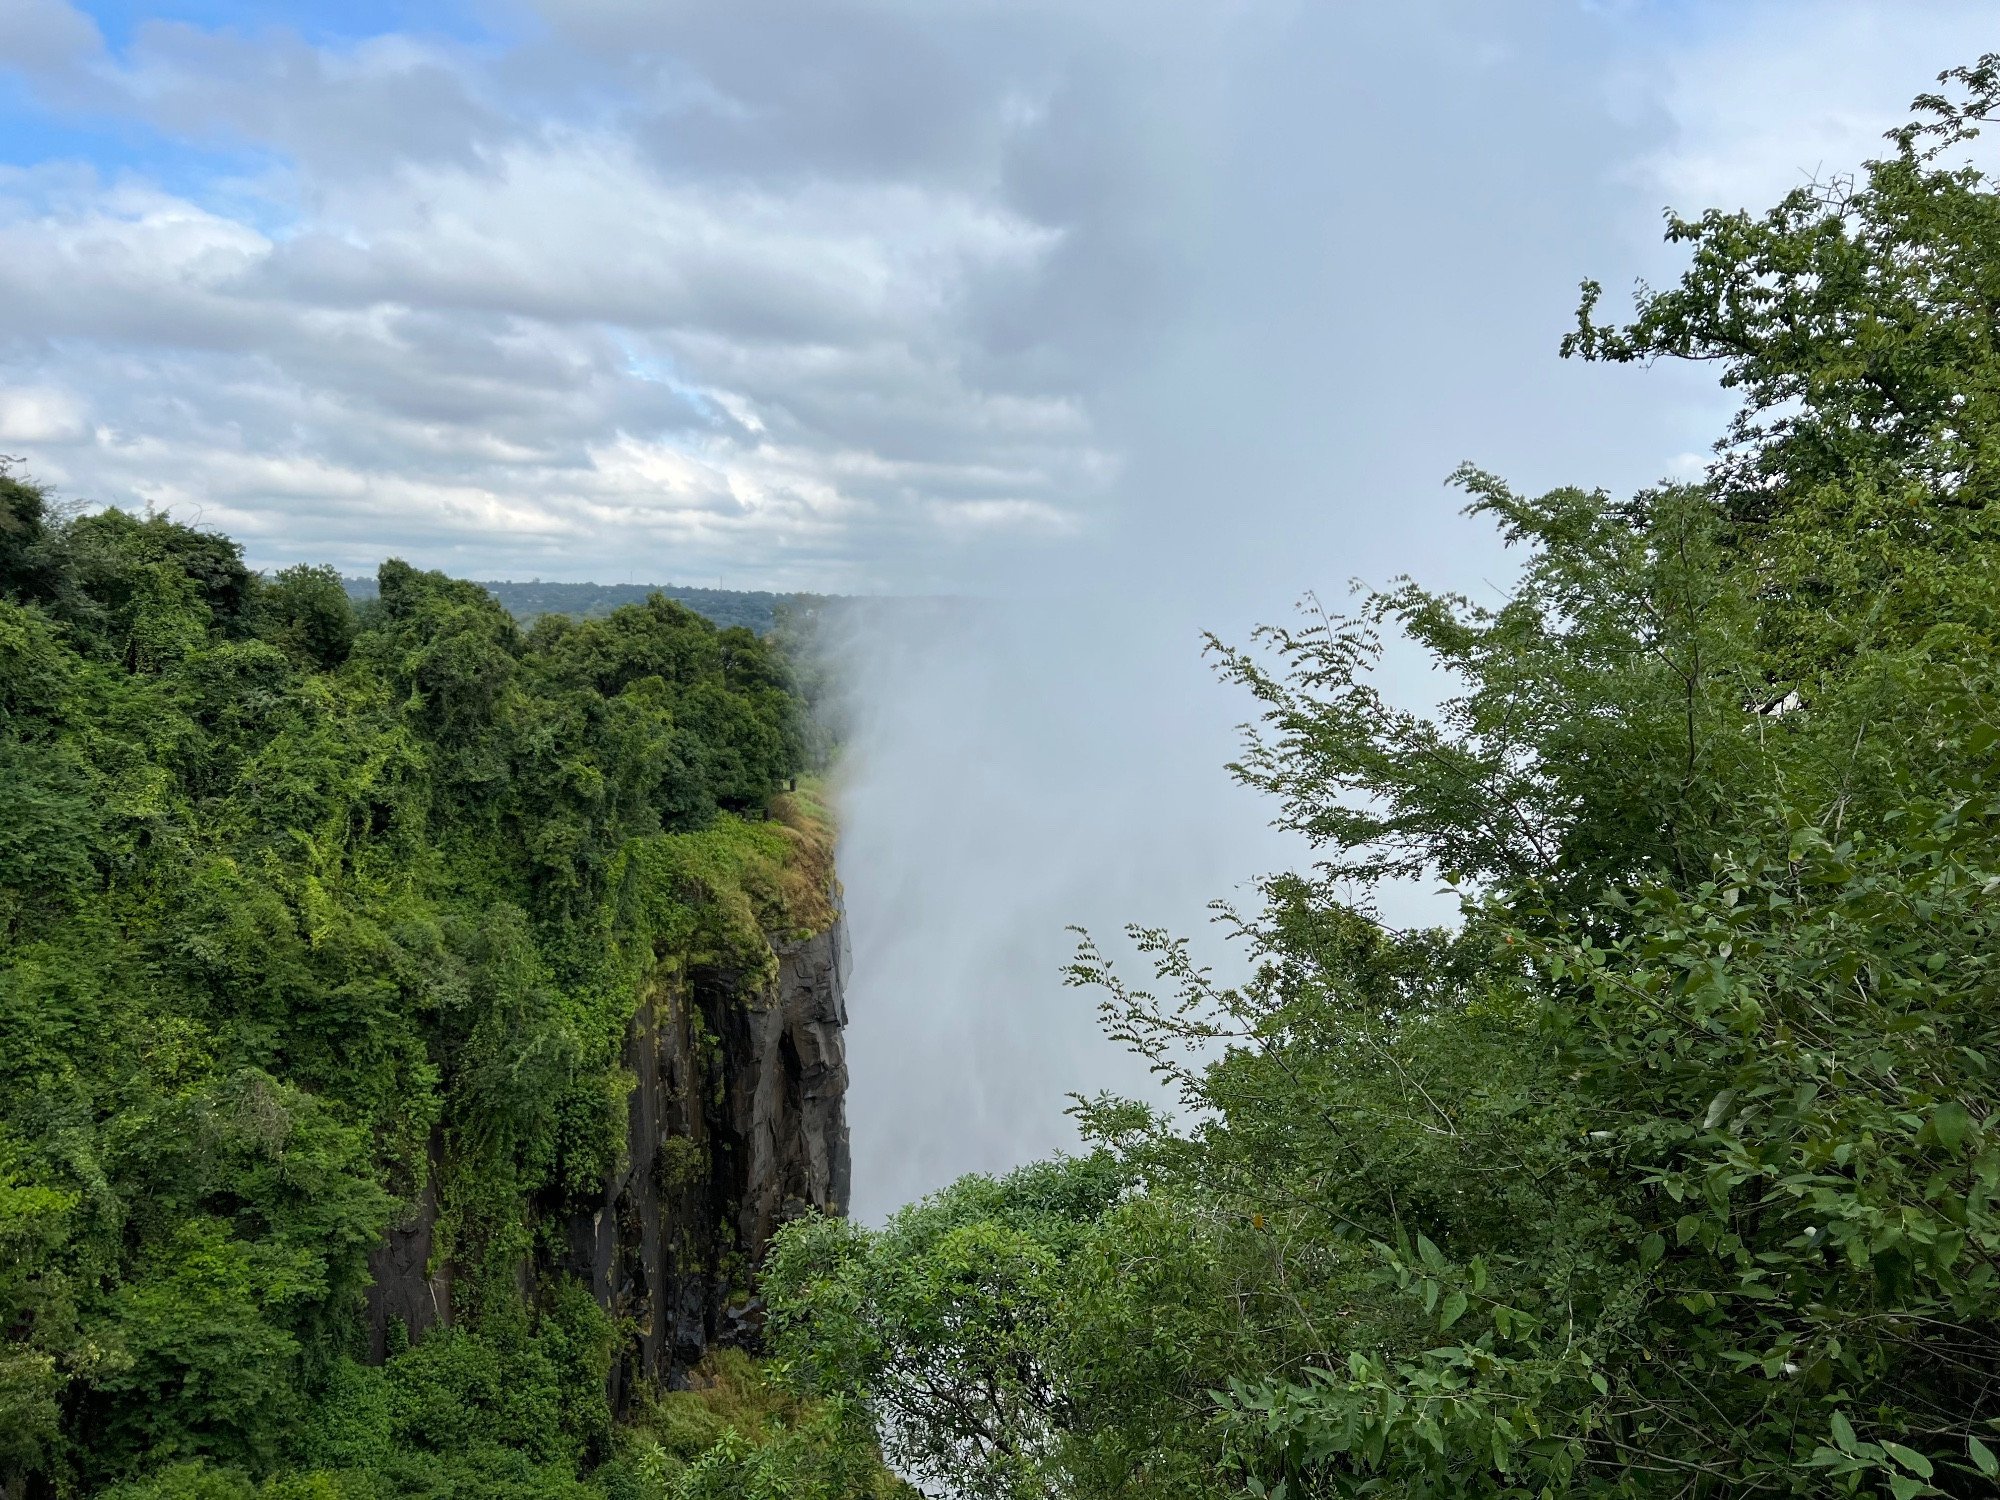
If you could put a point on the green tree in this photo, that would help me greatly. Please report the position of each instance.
(306, 914)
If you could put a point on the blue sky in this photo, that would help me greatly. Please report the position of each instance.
(316, 21)
(946, 289)
(115, 139)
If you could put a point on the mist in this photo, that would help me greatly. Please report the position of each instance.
(1382, 279)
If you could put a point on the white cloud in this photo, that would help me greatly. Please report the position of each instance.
(1774, 96)
(554, 341)
(1006, 515)
(31, 414)
(36, 35)
(824, 289)
(577, 228)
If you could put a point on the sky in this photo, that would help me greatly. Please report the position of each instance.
(1123, 321)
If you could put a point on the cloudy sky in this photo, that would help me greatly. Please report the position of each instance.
(1140, 318)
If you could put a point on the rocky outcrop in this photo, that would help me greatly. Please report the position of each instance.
(406, 1291)
(736, 1122)
(793, 1106)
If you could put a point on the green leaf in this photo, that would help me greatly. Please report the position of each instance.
(1843, 1432)
(1433, 1257)
(1454, 1309)
(1905, 1487)
(1652, 1250)
(1910, 1459)
(1982, 1458)
(1950, 1123)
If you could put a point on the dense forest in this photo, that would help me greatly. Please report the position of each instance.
(327, 930)
(1670, 1168)
(1673, 1167)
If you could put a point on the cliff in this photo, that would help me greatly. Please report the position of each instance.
(411, 1027)
(735, 1121)
(737, 1124)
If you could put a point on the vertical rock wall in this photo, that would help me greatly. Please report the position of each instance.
(737, 1122)
(405, 1290)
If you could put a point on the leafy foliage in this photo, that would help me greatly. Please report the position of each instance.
(740, 1433)
(945, 1317)
(1670, 1169)
(754, 609)
(300, 908)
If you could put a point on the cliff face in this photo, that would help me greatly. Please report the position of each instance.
(736, 1122)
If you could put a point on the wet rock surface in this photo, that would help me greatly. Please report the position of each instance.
(736, 1123)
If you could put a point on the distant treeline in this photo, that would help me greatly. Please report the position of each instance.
(527, 602)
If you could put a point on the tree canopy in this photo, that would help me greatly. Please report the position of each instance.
(303, 908)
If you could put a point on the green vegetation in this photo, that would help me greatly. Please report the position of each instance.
(754, 610)
(741, 1432)
(302, 907)
(1672, 1169)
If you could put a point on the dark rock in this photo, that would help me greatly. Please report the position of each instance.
(737, 1124)
(404, 1291)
